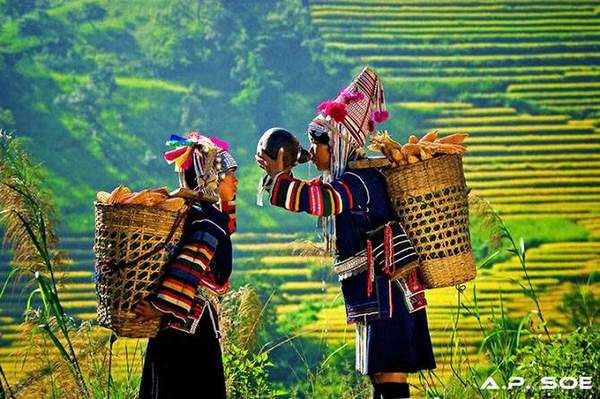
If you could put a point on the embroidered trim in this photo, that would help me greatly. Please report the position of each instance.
(350, 267)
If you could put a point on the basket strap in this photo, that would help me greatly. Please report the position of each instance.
(160, 246)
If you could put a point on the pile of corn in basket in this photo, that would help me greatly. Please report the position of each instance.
(427, 188)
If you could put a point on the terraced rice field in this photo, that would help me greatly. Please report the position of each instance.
(521, 76)
(553, 268)
(542, 54)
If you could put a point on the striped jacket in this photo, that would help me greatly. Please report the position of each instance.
(203, 260)
(359, 201)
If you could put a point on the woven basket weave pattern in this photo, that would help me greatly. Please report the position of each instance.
(123, 234)
(430, 197)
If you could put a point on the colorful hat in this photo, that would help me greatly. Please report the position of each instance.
(348, 119)
(207, 155)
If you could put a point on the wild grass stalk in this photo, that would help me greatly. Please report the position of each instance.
(503, 337)
(5, 388)
(501, 233)
(26, 214)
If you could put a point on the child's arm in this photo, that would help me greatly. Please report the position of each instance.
(185, 272)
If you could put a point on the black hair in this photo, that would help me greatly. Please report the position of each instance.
(322, 138)
(190, 178)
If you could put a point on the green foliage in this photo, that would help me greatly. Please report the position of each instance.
(7, 120)
(306, 313)
(503, 341)
(582, 307)
(247, 374)
(102, 85)
(332, 378)
(575, 355)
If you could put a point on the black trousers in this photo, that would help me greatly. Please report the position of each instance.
(180, 365)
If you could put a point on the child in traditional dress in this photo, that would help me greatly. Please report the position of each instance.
(391, 323)
(185, 359)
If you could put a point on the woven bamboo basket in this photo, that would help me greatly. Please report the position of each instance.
(430, 199)
(124, 234)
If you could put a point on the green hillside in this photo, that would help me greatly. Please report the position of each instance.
(98, 86)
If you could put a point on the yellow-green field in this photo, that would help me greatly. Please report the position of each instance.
(495, 71)
(520, 76)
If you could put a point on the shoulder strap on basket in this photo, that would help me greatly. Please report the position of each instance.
(163, 244)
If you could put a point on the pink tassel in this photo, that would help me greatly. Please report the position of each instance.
(370, 274)
(352, 97)
(380, 116)
(222, 144)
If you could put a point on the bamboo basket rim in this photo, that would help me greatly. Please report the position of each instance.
(384, 163)
(155, 207)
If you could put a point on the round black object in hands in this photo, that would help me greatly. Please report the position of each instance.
(274, 139)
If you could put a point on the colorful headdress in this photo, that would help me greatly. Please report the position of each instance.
(207, 155)
(348, 119)
(345, 123)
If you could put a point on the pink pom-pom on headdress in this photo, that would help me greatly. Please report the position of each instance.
(336, 110)
(195, 136)
(322, 108)
(380, 116)
(352, 97)
(222, 144)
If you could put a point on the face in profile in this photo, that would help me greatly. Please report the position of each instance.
(228, 186)
(320, 155)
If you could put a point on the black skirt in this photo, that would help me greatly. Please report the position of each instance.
(181, 365)
(397, 344)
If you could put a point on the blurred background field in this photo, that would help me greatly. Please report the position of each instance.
(95, 87)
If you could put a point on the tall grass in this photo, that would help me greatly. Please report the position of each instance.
(503, 338)
(27, 218)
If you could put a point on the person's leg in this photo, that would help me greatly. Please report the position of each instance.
(208, 369)
(390, 386)
(158, 370)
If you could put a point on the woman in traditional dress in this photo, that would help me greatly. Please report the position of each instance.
(392, 335)
(184, 360)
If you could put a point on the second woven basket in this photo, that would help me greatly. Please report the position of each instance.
(430, 198)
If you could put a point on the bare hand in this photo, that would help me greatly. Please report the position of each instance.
(145, 312)
(270, 165)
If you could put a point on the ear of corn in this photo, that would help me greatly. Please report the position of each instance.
(429, 137)
(153, 197)
(457, 138)
(416, 149)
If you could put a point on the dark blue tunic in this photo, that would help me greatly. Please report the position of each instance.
(360, 203)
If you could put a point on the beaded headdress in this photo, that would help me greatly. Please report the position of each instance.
(348, 119)
(207, 155)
